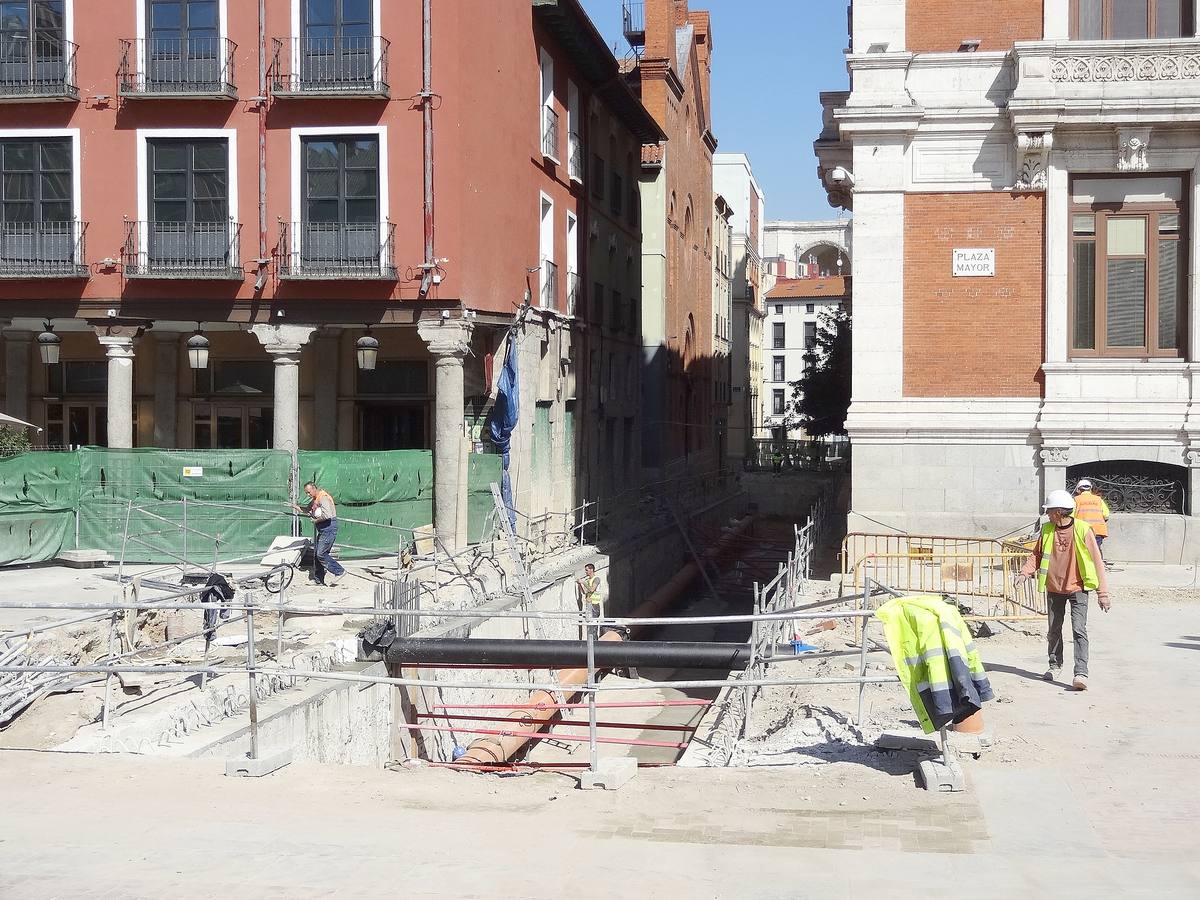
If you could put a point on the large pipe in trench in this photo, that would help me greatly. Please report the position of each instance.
(556, 654)
(527, 722)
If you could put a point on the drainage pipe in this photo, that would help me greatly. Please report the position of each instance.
(556, 654)
(529, 721)
(430, 264)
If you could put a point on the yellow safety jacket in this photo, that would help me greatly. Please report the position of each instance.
(1092, 509)
(936, 659)
(1087, 567)
(591, 589)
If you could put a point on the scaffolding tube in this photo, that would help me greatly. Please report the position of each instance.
(557, 654)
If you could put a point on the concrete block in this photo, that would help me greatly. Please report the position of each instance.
(245, 767)
(946, 777)
(83, 559)
(610, 775)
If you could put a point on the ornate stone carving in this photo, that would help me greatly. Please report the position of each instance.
(1033, 152)
(446, 338)
(1055, 456)
(1133, 150)
(1193, 457)
(1155, 67)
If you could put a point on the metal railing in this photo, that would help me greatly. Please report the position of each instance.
(45, 69)
(330, 67)
(337, 250)
(177, 67)
(633, 21)
(43, 250)
(549, 132)
(183, 250)
(549, 290)
(574, 156)
(812, 455)
(574, 290)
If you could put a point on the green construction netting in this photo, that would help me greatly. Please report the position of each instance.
(239, 496)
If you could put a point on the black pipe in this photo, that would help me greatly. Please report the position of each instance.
(569, 654)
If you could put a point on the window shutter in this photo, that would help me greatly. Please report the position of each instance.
(1126, 302)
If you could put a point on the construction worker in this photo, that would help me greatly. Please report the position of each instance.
(1091, 508)
(1068, 564)
(588, 591)
(323, 512)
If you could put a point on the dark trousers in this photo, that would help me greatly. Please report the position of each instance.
(326, 535)
(1058, 615)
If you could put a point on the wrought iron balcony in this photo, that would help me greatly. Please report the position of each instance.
(329, 251)
(331, 67)
(549, 133)
(549, 295)
(197, 68)
(42, 250)
(574, 156)
(44, 70)
(633, 21)
(183, 250)
(574, 293)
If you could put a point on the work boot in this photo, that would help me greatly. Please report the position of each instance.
(1080, 683)
(331, 580)
(1052, 674)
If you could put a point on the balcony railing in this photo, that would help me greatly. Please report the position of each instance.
(200, 68)
(42, 250)
(337, 250)
(574, 293)
(549, 133)
(574, 156)
(191, 250)
(633, 21)
(44, 70)
(549, 295)
(331, 67)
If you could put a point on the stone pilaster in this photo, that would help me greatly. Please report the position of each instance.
(166, 388)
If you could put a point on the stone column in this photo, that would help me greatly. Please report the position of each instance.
(284, 343)
(1054, 468)
(325, 392)
(166, 388)
(449, 341)
(118, 344)
(16, 372)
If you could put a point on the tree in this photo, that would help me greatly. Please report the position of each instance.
(821, 398)
(13, 439)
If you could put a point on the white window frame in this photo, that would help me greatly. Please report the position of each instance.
(546, 83)
(574, 128)
(139, 63)
(297, 202)
(145, 135)
(572, 255)
(376, 34)
(76, 157)
(545, 245)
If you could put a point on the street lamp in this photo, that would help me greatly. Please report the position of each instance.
(49, 345)
(367, 350)
(197, 350)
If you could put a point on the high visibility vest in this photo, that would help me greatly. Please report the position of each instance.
(1092, 509)
(1087, 567)
(591, 589)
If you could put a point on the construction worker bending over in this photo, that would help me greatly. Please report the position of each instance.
(588, 590)
(323, 512)
(1091, 508)
(1068, 564)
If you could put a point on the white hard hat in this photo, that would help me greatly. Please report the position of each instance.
(1059, 500)
(1083, 485)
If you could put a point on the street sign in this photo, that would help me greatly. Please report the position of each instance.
(974, 262)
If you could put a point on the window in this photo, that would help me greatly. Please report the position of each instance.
(340, 199)
(574, 140)
(549, 278)
(635, 316)
(777, 402)
(338, 44)
(32, 41)
(777, 335)
(778, 368)
(779, 309)
(549, 116)
(232, 426)
(188, 203)
(1094, 20)
(36, 203)
(810, 335)
(72, 418)
(810, 308)
(616, 311)
(597, 176)
(77, 377)
(1128, 268)
(598, 303)
(616, 194)
(184, 43)
(573, 281)
(236, 378)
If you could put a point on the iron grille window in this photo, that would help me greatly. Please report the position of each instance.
(1095, 20)
(1128, 269)
(33, 49)
(337, 45)
(184, 43)
(778, 336)
(37, 231)
(341, 200)
(1133, 486)
(188, 190)
(777, 402)
(778, 366)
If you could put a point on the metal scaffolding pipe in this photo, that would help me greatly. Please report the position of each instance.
(556, 654)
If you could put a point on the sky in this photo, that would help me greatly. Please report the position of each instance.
(771, 59)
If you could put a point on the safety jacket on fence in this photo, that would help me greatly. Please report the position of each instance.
(1092, 509)
(936, 659)
(1087, 566)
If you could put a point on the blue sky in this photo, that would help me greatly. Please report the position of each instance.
(771, 59)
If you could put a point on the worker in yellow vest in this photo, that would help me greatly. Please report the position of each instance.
(1091, 508)
(1068, 564)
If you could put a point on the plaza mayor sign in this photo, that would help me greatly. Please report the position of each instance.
(974, 262)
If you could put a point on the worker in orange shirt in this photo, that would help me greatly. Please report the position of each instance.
(1091, 508)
